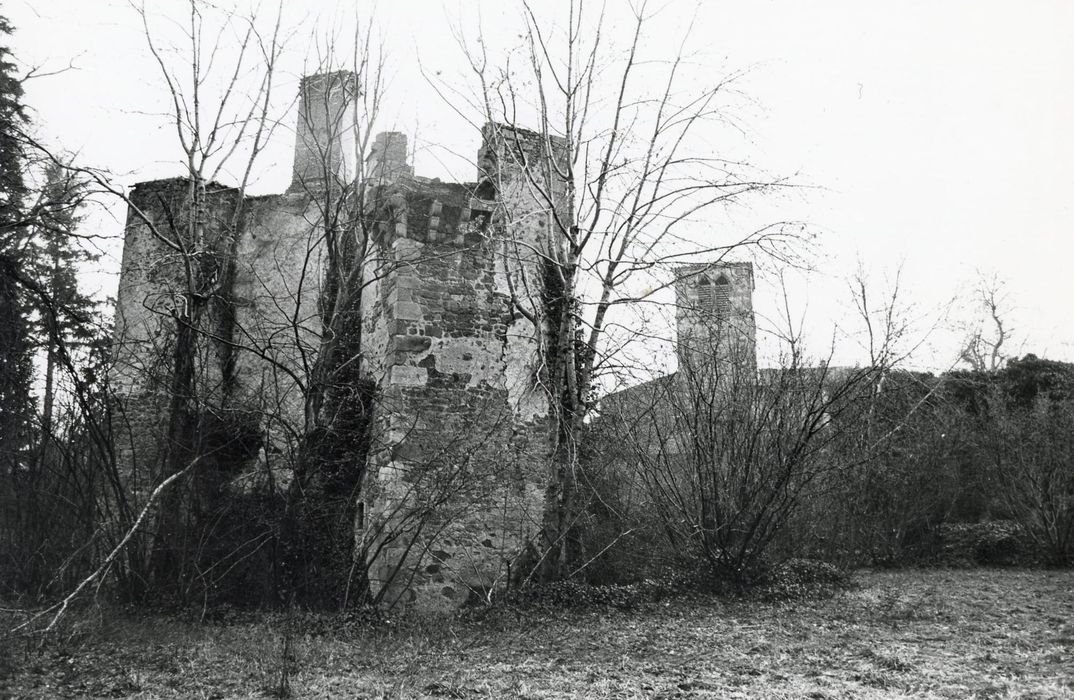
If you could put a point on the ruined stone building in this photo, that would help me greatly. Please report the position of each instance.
(452, 490)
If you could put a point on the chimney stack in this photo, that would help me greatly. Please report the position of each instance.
(387, 157)
(325, 128)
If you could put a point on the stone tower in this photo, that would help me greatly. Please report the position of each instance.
(463, 419)
(716, 327)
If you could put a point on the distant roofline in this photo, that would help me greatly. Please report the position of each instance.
(714, 265)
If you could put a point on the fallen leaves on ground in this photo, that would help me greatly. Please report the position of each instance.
(932, 634)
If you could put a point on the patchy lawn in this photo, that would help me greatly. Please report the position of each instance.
(953, 634)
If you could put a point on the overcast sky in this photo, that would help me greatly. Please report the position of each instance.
(936, 134)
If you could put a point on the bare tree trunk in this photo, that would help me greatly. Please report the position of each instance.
(615, 198)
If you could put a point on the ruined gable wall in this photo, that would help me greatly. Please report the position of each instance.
(271, 293)
(456, 485)
(151, 292)
(280, 268)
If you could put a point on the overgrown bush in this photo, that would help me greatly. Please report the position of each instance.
(725, 458)
(793, 579)
(1023, 419)
(897, 470)
(902, 480)
(802, 578)
(575, 594)
(993, 543)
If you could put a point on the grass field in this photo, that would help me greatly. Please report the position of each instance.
(951, 634)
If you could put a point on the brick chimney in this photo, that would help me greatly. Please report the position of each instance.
(323, 156)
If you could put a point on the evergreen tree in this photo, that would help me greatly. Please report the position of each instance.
(16, 368)
(62, 313)
(54, 452)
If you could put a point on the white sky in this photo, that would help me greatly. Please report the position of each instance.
(936, 134)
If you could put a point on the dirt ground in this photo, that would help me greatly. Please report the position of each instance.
(950, 634)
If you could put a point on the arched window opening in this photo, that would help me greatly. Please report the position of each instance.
(721, 297)
(704, 294)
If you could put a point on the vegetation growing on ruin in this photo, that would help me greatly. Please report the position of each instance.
(161, 471)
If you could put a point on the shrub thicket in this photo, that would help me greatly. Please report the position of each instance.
(964, 469)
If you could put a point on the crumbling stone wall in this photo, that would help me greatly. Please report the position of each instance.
(160, 257)
(456, 490)
(270, 276)
(280, 267)
(455, 484)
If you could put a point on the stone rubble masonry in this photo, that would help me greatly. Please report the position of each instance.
(466, 435)
(703, 327)
(455, 485)
(387, 157)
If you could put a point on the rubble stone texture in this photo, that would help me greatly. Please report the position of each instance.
(454, 486)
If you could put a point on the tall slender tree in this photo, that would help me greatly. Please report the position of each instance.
(16, 408)
(62, 312)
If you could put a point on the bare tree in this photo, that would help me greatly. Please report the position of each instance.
(330, 435)
(986, 346)
(298, 323)
(728, 457)
(55, 446)
(880, 502)
(1031, 450)
(283, 363)
(57, 506)
(616, 161)
(221, 125)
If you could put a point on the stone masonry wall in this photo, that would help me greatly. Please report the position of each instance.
(454, 494)
(278, 278)
(711, 320)
(273, 292)
(158, 245)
